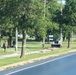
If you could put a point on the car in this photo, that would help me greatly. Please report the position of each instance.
(56, 44)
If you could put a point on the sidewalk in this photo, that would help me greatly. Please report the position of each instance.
(18, 54)
(8, 56)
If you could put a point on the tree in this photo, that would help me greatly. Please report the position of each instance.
(69, 15)
(48, 24)
(27, 15)
(31, 11)
(53, 26)
(41, 29)
(7, 18)
(21, 14)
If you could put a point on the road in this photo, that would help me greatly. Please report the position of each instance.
(61, 65)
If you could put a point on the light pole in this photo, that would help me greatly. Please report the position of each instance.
(61, 36)
(44, 7)
(43, 42)
(72, 31)
(0, 37)
(16, 46)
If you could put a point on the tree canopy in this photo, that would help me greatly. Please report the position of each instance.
(36, 17)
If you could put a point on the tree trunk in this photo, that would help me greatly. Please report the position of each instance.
(23, 44)
(68, 39)
(0, 42)
(10, 41)
(64, 37)
(43, 42)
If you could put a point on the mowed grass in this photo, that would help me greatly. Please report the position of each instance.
(33, 46)
(11, 60)
(30, 46)
(9, 51)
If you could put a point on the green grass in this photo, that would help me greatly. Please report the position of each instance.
(30, 46)
(9, 51)
(33, 46)
(31, 56)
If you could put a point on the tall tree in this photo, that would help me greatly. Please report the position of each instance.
(7, 13)
(70, 15)
(30, 12)
(53, 27)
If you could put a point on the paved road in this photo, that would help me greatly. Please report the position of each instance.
(64, 65)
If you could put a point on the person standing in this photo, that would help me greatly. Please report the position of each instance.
(14, 43)
(5, 46)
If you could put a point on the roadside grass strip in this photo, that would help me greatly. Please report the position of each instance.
(16, 61)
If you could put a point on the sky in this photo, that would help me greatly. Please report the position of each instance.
(63, 1)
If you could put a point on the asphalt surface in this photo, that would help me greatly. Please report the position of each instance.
(61, 65)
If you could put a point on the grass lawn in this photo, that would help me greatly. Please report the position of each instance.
(32, 46)
(9, 51)
(11, 60)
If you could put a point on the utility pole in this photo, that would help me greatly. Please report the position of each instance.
(72, 32)
(44, 7)
(43, 42)
(61, 8)
(16, 47)
(0, 37)
(61, 36)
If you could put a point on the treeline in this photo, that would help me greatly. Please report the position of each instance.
(37, 17)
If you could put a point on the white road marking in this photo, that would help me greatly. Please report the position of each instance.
(41, 63)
